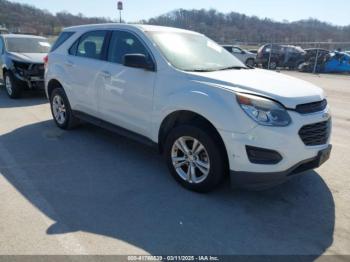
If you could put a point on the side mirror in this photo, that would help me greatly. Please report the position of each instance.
(138, 61)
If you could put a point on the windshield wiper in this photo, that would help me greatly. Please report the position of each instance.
(201, 70)
(218, 69)
(233, 67)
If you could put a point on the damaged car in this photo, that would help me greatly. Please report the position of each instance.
(335, 62)
(272, 56)
(22, 62)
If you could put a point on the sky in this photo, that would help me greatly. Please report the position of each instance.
(332, 11)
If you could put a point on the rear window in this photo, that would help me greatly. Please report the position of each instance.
(64, 36)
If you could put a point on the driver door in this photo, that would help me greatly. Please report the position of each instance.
(126, 98)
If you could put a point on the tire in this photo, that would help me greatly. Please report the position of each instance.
(297, 65)
(250, 62)
(61, 110)
(273, 65)
(210, 158)
(13, 87)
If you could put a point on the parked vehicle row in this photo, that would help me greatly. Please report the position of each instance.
(327, 62)
(209, 114)
(273, 56)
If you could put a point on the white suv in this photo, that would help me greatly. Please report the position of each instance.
(207, 112)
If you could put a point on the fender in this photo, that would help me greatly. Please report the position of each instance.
(217, 105)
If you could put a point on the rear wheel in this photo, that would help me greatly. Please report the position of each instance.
(13, 87)
(61, 110)
(250, 62)
(273, 65)
(194, 158)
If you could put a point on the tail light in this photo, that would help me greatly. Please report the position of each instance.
(46, 61)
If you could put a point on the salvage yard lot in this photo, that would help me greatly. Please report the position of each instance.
(90, 191)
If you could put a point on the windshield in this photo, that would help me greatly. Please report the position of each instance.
(27, 45)
(194, 52)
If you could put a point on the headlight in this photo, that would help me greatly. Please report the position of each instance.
(264, 111)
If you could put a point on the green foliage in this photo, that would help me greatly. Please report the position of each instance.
(23, 18)
(232, 27)
(224, 28)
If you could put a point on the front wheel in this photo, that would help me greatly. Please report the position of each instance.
(13, 87)
(194, 158)
(273, 65)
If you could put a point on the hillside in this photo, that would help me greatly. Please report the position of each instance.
(224, 28)
(232, 27)
(28, 19)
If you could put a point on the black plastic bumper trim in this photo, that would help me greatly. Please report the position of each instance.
(263, 156)
(261, 181)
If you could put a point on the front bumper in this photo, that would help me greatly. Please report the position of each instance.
(260, 181)
(296, 156)
(33, 76)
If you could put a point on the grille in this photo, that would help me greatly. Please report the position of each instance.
(312, 107)
(37, 70)
(316, 134)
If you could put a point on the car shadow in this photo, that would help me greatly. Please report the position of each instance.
(29, 98)
(98, 182)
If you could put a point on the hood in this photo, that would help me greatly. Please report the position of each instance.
(34, 58)
(287, 90)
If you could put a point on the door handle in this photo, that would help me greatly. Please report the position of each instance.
(106, 74)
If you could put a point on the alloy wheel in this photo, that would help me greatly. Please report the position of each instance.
(8, 85)
(190, 160)
(59, 109)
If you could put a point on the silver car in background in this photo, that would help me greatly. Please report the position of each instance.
(245, 56)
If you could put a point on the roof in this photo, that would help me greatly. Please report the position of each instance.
(22, 36)
(145, 28)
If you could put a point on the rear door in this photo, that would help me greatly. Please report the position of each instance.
(83, 70)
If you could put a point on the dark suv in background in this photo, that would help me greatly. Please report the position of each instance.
(287, 56)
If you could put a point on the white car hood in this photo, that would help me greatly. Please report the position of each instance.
(34, 58)
(287, 90)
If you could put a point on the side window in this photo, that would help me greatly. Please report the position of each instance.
(228, 48)
(91, 45)
(123, 43)
(236, 50)
(64, 36)
(74, 48)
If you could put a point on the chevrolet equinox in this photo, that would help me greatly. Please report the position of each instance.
(209, 114)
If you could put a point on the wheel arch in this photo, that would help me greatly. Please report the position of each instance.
(188, 117)
(53, 84)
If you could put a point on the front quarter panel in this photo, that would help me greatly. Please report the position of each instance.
(217, 105)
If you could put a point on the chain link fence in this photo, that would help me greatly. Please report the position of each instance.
(312, 56)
